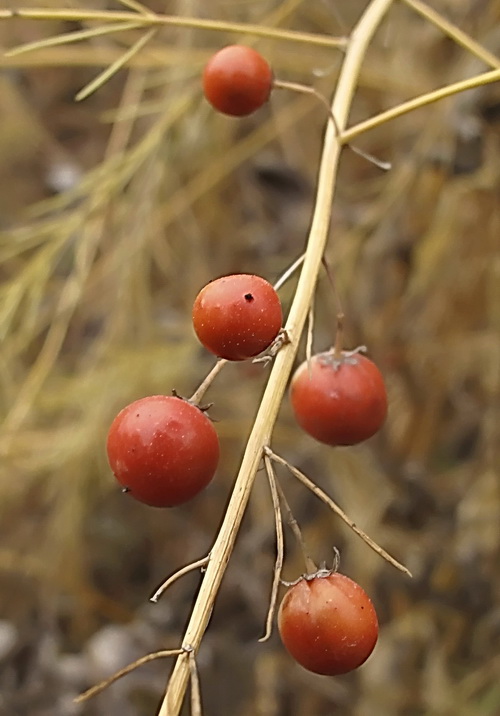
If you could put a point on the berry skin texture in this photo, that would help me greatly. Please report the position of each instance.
(328, 624)
(237, 80)
(339, 402)
(163, 450)
(237, 317)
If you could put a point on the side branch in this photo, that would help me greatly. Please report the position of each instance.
(321, 494)
(485, 78)
(94, 690)
(200, 563)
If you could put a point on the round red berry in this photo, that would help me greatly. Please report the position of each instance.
(328, 624)
(237, 80)
(339, 401)
(237, 317)
(163, 450)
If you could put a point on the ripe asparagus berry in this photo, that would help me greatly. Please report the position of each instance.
(339, 401)
(328, 623)
(237, 80)
(163, 450)
(237, 317)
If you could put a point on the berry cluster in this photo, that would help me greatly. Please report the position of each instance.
(164, 450)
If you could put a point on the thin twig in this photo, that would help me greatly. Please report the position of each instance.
(113, 68)
(339, 332)
(485, 78)
(333, 284)
(339, 338)
(279, 547)
(205, 385)
(283, 363)
(69, 37)
(310, 337)
(380, 163)
(459, 36)
(294, 526)
(307, 89)
(289, 272)
(177, 575)
(94, 690)
(138, 7)
(338, 511)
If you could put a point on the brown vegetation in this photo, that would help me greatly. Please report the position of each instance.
(114, 211)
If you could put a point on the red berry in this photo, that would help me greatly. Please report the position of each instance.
(237, 317)
(328, 624)
(237, 80)
(163, 450)
(339, 401)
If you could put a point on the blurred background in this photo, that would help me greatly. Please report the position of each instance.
(114, 211)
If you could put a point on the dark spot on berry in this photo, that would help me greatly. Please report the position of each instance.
(248, 297)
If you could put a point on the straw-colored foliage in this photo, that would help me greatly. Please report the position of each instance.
(114, 211)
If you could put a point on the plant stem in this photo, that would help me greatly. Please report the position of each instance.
(273, 394)
(156, 20)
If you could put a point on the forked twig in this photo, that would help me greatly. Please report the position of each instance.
(94, 690)
(306, 89)
(338, 511)
(279, 547)
(177, 575)
(113, 68)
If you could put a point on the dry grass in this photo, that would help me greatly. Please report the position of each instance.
(97, 281)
